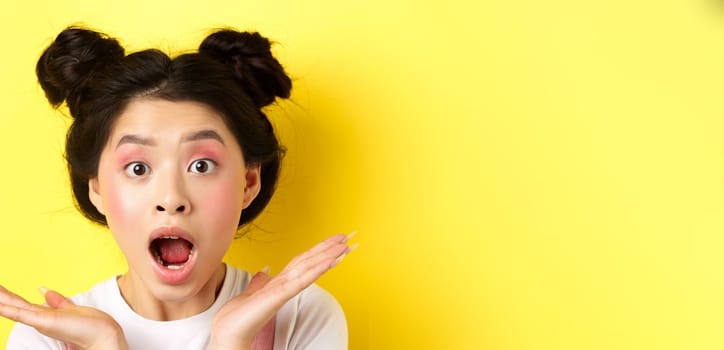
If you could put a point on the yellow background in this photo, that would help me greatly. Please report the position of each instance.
(522, 174)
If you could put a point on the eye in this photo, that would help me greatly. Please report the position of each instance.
(137, 169)
(202, 166)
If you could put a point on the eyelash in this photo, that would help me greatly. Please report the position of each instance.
(211, 165)
(131, 168)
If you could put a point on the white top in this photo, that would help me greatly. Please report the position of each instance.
(311, 320)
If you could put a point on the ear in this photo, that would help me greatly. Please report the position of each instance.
(253, 184)
(95, 195)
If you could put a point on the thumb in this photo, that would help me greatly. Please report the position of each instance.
(55, 299)
(257, 282)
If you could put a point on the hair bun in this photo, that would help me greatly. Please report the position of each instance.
(74, 55)
(260, 74)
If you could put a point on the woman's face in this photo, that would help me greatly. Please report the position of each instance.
(172, 183)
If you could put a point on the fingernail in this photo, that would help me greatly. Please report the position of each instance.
(352, 247)
(349, 236)
(266, 270)
(43, 290)
(338, 260)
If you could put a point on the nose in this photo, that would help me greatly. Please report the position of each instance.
(172, 198)
(179, 209)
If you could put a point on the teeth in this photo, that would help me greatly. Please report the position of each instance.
(160, 261)
(169, 266)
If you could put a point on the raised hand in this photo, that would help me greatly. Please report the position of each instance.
(239, 321)
(78, 326)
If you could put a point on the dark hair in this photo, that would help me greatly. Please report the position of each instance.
(233, 72)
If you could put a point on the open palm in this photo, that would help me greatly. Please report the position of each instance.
(243, 317)
(80, 327)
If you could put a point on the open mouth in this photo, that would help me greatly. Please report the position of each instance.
(172, 252)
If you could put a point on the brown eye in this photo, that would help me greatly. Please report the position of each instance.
(137, 169)
(202, 166)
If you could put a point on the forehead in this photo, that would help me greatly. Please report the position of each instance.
(152, 116)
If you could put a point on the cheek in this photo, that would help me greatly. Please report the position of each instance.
(222, 203)
(122, 204)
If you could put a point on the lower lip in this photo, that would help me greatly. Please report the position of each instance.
(177, 276)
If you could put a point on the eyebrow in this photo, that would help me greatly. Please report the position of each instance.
(206, 134)
(135, 139)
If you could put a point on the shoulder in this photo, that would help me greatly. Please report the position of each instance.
(104, 296)
(312, 320)
(235, 281)
(316, 301)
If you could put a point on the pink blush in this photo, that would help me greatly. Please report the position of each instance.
(120, 201)
(224, 201)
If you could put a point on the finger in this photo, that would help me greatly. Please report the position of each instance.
(319, 247)
(9, 311)
(328, 255)
(302, 271)
(346, 252)
(9, 298)
(341, 257)
(336, 245)
(322, 262)
(300, 274)
(336, 239)
(27, 316)
(57, 300)
(295, 277)
(257, 282)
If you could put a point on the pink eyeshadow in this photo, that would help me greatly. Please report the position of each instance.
(209, 149)
(124, 156)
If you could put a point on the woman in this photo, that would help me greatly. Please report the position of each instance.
(174, 155)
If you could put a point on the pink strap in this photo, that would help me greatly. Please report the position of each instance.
(265, 339)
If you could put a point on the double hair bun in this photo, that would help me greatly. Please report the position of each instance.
(78, 54)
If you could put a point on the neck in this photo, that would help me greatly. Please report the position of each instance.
(147, 304)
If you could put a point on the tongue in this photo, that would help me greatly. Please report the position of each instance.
(174, 251)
